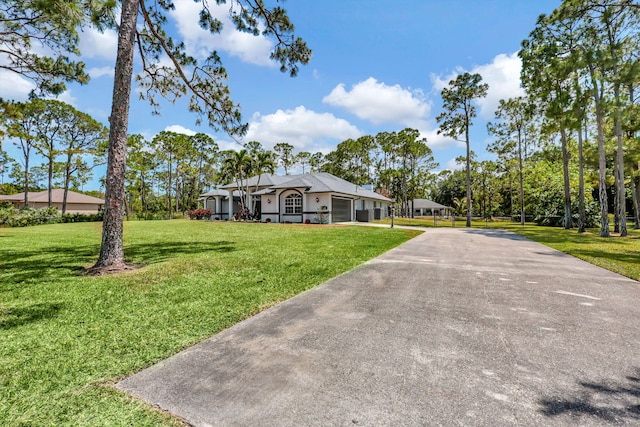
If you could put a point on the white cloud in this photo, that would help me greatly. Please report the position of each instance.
(14, 86)
(502, 75)
(65, 97)
(439, 142)
(222, 144)
(94, 44)
(453, 165)
(379, 103)
(180, 129)
(200, 43)
(304, 129)
(96, 72)
(503, 78)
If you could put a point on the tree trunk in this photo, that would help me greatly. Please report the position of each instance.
(635, 187)
(468, 175)
(26, 180)
(67, 178)
(621, 208)
(169, 205)
(616, 195)
(111, 256)
(511, 193)
(143, 195)
(521, 178)
(567, 182)
(602, 160)
(49, 182)
(581, 211)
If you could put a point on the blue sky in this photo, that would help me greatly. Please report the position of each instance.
(376, 66)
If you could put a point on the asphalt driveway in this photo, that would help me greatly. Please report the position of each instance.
(455, 327)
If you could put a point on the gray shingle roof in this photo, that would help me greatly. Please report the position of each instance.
(321, 182)
(427, 204)
(266, 180)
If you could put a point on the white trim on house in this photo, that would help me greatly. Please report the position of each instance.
(316, 191)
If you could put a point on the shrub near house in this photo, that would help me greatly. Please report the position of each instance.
(200, 214)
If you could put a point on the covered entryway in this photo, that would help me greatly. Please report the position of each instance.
(340, 210)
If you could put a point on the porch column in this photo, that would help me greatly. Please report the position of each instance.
(230, 204)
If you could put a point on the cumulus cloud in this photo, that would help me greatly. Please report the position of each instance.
(14, 86)
(304, 129)
(503, 78)
(65, 97)
(96, 72)
(94, 44)
(200, 43)
(439, 142)
(502, 75)
(222, 144)
(379, 103)
(453, 165)
(180, 129)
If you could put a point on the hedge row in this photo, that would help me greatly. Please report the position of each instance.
(12, 217)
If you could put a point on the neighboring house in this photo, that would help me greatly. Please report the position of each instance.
(422, 207)
(313, 197)
(76, 202)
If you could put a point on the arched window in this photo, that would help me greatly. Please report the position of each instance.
(293, 204)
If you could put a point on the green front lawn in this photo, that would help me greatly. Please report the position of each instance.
(618, 254)
(65, 337)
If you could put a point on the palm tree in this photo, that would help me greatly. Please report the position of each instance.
(238, 167)
(263, 162)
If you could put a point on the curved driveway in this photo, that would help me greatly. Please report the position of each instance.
(455, 327)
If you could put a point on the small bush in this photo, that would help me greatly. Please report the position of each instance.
(200, 214)
(78, 217)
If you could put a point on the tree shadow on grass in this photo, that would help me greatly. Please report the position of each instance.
(145, 253)
(11, 317)
(63, 261)
(612, 402)
(629, 257)
(44, 263)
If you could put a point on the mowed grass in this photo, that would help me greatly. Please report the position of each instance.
(65, 337)
(618, 254)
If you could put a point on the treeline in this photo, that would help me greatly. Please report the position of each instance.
(166, 175)
(68, 144)
(60, 146)
(581, 69)
(567, 153)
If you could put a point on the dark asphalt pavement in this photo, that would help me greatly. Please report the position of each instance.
(457, 327)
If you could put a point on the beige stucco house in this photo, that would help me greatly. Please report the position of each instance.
(312, 197)
(76, 202)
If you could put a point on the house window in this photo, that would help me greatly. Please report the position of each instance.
(293, 204)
